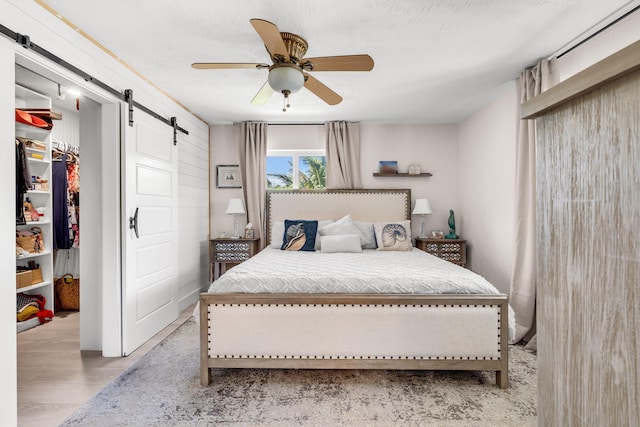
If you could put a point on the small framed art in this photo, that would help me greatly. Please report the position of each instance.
(388, 167)
(414, 169)
(437, 234)
(228, 176)
(248, 233)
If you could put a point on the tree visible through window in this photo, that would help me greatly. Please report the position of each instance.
(296, 171)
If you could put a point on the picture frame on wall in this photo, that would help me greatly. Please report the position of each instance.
(228, 176)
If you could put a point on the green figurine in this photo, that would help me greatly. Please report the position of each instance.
(452, 226)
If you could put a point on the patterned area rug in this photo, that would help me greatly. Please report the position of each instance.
(163, 389)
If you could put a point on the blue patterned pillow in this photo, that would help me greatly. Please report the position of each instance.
(299, 235)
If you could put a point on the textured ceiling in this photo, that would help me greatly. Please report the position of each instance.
(436, 61)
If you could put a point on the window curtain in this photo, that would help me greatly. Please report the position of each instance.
(252, 156)
(343, 155)
(522, 296)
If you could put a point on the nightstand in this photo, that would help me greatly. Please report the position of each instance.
(226, 252)
(453, 250)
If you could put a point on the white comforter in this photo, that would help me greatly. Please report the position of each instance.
(378, 272)
(372, 271)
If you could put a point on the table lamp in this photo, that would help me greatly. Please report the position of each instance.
(422, 208)
(235, 208)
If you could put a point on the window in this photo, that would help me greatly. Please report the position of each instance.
(296, 169)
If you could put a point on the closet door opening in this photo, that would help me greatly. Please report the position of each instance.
(84, 184)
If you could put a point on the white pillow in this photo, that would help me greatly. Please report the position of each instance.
(393, 235)
(323, 223)
(367, 234)
(277, 233)
(340, 243)
(344, 225)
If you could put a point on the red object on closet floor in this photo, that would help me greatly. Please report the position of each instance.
(30, 119)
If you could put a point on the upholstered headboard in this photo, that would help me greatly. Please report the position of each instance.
(362, 205)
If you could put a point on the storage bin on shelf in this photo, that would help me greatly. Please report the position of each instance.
(24, 279)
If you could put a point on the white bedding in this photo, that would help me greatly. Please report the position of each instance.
(371, 271)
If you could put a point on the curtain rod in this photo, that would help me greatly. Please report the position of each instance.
(307, 123)
(26, 42)
(573, 45)
(296, 124)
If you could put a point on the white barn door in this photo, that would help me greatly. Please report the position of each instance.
(150, 242)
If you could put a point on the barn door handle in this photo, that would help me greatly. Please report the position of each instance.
(133, 223)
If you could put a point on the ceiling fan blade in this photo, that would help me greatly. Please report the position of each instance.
(340, 63)
(271, 37)
(225, 65)
(320, 90)
(263, 94)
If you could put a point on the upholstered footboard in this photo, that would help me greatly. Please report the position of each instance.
(337, 331)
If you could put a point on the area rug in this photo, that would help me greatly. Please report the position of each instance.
(163, 389)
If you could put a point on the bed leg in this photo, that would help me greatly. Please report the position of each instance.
(502, 379)
(205, 376)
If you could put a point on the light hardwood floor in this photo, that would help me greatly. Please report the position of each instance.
(55, 378)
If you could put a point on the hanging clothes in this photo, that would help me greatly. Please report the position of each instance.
(73, 185)
(66, 193)
(23, 180)
(60, 204)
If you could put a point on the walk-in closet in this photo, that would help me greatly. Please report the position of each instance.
(48, 164)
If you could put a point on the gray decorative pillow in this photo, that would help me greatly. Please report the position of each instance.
(367, 234)
(393, 235)
(340, 243)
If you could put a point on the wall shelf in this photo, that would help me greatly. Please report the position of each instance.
(403, 175)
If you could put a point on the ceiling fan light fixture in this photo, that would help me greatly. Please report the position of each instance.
(285, 77)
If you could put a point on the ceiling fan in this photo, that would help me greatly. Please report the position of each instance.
(289, 70)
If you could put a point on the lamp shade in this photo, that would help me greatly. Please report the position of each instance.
(235, 207)
(285, 77)
(422, 207)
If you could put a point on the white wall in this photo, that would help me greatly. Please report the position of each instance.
(193, 214)
(434, 147)
(222, 151)
(487, 187)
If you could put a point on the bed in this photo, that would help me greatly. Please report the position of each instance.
(339, 308)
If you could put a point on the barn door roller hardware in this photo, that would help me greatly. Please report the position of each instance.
(128, 98)
(26, 42)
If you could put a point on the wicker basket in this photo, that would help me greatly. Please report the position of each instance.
(36, 276)
(24, 278)
(67, 289)
(32, 242)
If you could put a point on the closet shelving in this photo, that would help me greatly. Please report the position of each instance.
(39, 162)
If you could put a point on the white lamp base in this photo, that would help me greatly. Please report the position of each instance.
(235, 227)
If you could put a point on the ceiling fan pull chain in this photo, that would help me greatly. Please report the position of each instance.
(285, 100)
